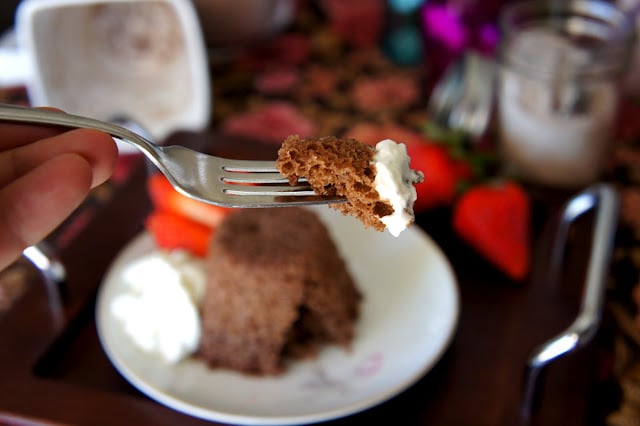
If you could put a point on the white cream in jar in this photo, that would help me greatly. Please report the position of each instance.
(558, 91)
(546, 135)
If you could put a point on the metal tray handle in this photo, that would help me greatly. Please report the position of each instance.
(604, 199)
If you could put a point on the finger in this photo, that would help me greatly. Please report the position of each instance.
(18, 134)
(96, 147)
(36, 203)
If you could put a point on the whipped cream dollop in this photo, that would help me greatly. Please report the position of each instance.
(394, 182)
(159, 308)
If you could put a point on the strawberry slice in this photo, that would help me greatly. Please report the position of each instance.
(165, 197)
(172, 231)
(442, 175)
(495, 220)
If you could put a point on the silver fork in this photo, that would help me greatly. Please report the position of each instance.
(213, 180)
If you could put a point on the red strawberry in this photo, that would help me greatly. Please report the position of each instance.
(165, 197)
(442, 174)
(173, 231)
(495, 219)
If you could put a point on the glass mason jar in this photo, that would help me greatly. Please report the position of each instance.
(560, 69)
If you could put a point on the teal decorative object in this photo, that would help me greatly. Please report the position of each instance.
(404, 45)
(405, 7)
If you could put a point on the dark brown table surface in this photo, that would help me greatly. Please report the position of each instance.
(53, 367)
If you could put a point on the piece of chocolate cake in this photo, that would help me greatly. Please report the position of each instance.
(376, 181)
(277, 289)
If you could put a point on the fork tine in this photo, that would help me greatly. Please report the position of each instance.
(276, 190)
(252, 171)
(279, 200)
(248, 177)
(250, 166)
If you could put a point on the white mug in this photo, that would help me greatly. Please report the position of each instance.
(140, 59)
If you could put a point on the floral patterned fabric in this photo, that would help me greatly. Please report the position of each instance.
(311, 81)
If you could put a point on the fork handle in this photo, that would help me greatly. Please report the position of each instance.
(58, 118)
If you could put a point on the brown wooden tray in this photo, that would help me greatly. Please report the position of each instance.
(53, 369)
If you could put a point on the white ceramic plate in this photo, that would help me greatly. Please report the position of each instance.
(408, 317)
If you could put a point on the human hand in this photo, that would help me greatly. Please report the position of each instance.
(45, 174)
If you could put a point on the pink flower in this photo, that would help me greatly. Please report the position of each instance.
(370, 365)
(488, 38)
(445, 24)
(462, 26)
(277, 81)
(272, 122)
(385, 93)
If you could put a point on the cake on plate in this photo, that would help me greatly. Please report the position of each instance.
(277, 288)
